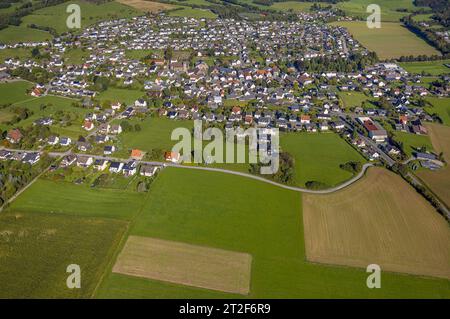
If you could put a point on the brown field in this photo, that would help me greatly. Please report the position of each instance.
(147, 6)
(185, 264)
(439, 181)
(379, 220)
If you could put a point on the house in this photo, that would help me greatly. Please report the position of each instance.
(323, 126)
(53, 140)
(31, 158)
(116, 106)
(5, 154)
(109, 149)
(84, 161)
(140, 103)
(338, 125)
(115, 167)
(65, 141)
(84, 146)
(130, 168)
(68, 160)
(100, 164)
(137, 154)
(148, 170)
(305, 119)
(375, 130)
(88, 125)
(116, 129)
(101, 139)
(172, 157)
(14, 136)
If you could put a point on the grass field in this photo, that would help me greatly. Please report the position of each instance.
(55, 16)
(147, 6)
(18, 53)
(15, 91)
(242, 215)
(75, 56)
(413, 141)
(429, 67)
(392, 40)
(388, 8)
(127, 96)
(318, 156)
(379, 220)
(439, 181)
(180, 263)
(193, 13)
(16, 34)
(292, 5)
(441, 106)
(35, 250)
(353, 99)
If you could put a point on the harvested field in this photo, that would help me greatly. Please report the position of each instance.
(379, 220)
(147, 6)
(439, 181)
(185, 264)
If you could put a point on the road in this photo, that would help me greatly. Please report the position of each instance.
(221, 170)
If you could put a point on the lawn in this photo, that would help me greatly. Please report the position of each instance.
(242, 215)
(35, 250)
(55, 16)
(18, 53)
(358, 8)
(16, 34)
(127, 96)
(353, 99)
(439, 181)
(76, 56)
(428, 67)
(15, 91)
(392, 40)
(381, 220)
(441, 106)
(318, 156)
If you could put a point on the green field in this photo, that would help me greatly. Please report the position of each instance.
(193, 13)
(429, 67)
(35, 250)
(318, 156)
(441, 106)
(76, 56)
(14, 34)
(392, 40)
(354, 99)
(242, 215)
(413, 141)
(127, 96)
(18, 53)
(292, 5)
(15, 91)
(357, 8)
(55, 16)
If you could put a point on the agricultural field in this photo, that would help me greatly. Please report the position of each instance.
(385, 41)
(17, 34)
(353, 99)
(15, 91)
(357, 8)
(251, 217)
(371, 223)
(147, 6)
(440, 106)
(427, 67)
(18, 53)
(412, 142)
(55, 16)
(36, 248)
(292, 5)
(193, 13)
(439, 181)
(318, 156)
(179, 263)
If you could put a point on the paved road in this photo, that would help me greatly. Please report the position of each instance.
(211, 169)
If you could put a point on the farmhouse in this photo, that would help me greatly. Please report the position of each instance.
(172, 157)
(14, 136)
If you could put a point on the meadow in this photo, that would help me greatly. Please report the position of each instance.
(17, 53)
(127, 96)
(440, 106)
(411, 142)
(371, 222)
(318, 156)
(147, 6)
(17, 34)
(354, 99)
(357, 8)
(392, 40)
(237, 214)
(439, 181)
(192, 12)
(55, 16)
(292, 5)
(15, 91)
(36, 248)
(75, 56)
(428, 67)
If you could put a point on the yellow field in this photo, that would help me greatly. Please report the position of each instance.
(185, 264)
(379, 220)
(147, 6)
(439, 181)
